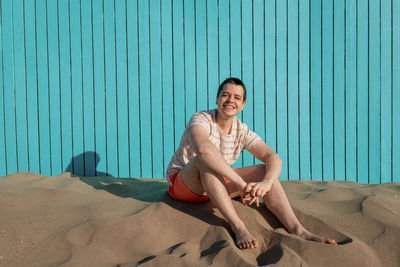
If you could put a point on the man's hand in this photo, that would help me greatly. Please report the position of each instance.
(253, 191)
(258, 189)
(246, 197)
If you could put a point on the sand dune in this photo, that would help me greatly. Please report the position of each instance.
(103, 221)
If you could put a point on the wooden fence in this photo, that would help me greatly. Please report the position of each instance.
(106, 86)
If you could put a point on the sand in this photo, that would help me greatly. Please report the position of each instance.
(103, 221)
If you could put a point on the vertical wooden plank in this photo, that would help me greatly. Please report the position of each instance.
(133, 89)
(338, 90)
(145, 83)
(31, 87)
(190, 60)
(122, 91)
(110, 80)
(54, 87)
(386, 92)
(212, 52)
(167, 82)
(76, 86)
(235, 7)
(374, 129)
(3, 164)
(88, 92)
(293, 90)
(236, 33)
(178, 70)
(396, 91)
(362, 92)
(259, 89)
(43, 87)
(20, 86)
(201, 54)
(248, 72)
(224, 40)
(327, 90)
(304, 89)
(281, 84)
(99, 88)
(351, 91)
(9, 87)
(270, 73)
(65, 85)
(156, 88)
(316, 122)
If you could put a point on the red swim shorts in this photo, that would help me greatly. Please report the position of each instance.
(179, 191)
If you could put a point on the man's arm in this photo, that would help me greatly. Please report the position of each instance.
(211, 156)
(273, 168)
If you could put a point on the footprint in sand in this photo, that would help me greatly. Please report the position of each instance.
(177, 251)
(81, 235)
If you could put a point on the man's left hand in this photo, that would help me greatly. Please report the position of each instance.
(258, 189)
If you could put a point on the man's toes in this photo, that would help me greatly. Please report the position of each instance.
(247, 244)
(331, 241)
(241, 245)
(328, 241)
(244, 245)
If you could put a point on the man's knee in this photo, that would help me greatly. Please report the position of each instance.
(200, 166)
(203, 169)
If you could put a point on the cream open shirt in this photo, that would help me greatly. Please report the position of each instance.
(230, 145)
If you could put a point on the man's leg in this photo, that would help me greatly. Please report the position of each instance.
(276, 201)
(199, 179)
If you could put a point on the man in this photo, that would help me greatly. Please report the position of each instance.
(201, 167)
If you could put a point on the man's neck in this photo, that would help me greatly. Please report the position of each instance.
(225, 124)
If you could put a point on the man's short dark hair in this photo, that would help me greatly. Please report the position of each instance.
(232, 80)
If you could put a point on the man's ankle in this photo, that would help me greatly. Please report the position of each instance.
(238, 227)
(297, 230)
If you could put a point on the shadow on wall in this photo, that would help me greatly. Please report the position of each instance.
(85, 164)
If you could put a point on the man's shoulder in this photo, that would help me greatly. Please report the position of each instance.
(209, 112)
(205, 114)
(204, 118)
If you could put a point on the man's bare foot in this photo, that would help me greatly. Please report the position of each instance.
(244, 240)
(306, 235)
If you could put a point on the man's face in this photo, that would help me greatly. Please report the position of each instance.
(230, 102)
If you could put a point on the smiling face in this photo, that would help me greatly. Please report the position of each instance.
(231, 100)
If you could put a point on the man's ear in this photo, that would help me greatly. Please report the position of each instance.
(244, 104)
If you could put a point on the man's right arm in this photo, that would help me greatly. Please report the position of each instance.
(211, 156)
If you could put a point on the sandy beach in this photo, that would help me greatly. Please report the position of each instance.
(103, 221)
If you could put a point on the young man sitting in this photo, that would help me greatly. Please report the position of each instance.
(201, 168)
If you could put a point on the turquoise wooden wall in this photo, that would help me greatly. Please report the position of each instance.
(106, 86)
